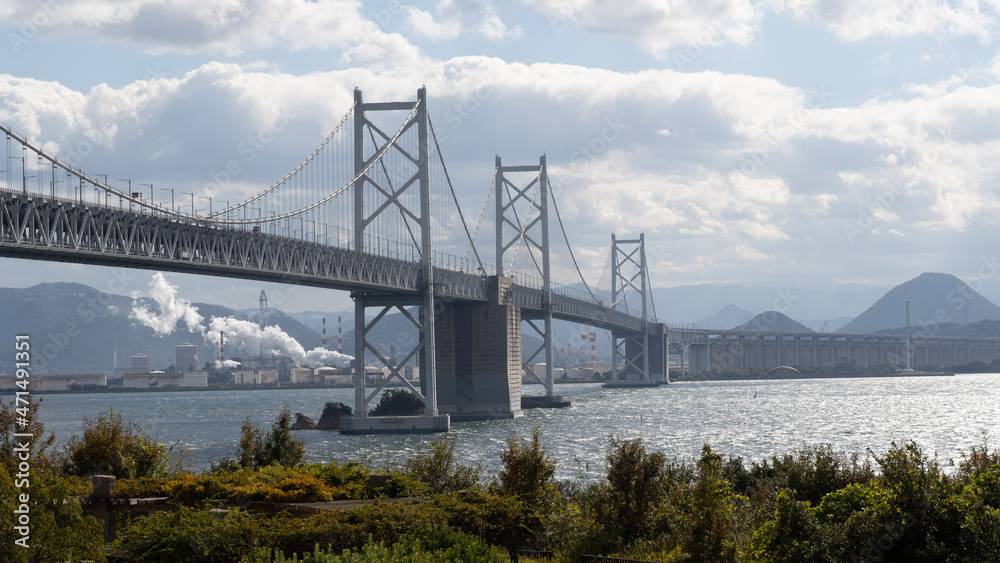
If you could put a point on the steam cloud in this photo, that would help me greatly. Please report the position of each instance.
(172, 308)
(249, 336)
(239, 334)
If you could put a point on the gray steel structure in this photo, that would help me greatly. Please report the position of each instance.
(145, 235)
(720, 350)
(630, 348)
(506, 215)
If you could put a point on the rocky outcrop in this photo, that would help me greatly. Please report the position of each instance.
(332, 412)
(303, 422)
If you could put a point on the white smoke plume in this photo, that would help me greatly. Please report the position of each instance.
(240, 334)
(172, 308)
(249, 336)
(226, 364)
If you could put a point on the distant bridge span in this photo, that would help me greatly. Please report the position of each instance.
(728, 350)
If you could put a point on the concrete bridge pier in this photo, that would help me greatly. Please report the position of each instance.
(478, 356)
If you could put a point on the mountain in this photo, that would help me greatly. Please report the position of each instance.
(74, 329)
(728, 316)
(935, 299)
(692, 303)
(772, 321)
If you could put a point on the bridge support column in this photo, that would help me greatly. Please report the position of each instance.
(479, 356)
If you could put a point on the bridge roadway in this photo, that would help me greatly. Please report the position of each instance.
(45, 228)
(720, 350)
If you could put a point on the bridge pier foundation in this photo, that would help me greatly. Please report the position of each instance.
(479, 356)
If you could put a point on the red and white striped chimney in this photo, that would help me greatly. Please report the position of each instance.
(222, 352)
(340, 338)
(324, 332)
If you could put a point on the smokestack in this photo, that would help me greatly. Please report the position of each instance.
(222, 352)
(340, 339)
(114, 360)
(324, 332)
(263, 310)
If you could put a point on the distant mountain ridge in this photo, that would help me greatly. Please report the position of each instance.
(935, 299)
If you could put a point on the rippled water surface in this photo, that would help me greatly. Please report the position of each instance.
(946, 415)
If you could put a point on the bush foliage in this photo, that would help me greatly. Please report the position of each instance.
(812, 505)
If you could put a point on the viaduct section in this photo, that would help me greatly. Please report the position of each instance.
(715, 350)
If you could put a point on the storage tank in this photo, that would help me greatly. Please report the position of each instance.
(186, 357)
(139, 363)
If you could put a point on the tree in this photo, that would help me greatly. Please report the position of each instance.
(257, 450)
(436, 467)
(637, 484)
(525, 477)
(113, 446)
(398, 402)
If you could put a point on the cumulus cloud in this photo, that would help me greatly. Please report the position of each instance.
(218, 26)
(658, 25)
(749, 161)
(454, 17)
(855, 20)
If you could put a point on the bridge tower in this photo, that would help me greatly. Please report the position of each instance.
(630, 354)
(533, 234)
(376, 197)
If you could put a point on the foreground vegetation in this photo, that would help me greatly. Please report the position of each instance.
(813, 505)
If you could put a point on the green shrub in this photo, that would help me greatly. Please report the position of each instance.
(437, 469)
(424, 545)
(398, 402)
(275, 448)
(193, 536)
(112, 446)
(525, 481)
(58, 528)
(23, 419)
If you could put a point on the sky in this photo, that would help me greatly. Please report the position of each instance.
(777, 143)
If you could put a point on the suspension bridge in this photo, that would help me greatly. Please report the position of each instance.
(372, 211)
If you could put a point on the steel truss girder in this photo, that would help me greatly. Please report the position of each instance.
(54, 229)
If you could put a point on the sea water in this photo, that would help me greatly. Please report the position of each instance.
(750, 419)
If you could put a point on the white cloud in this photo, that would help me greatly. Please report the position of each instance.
(426, 26)
(855, 20)
(452, 18)
(220, 26)
(815, 163)
(658, 25)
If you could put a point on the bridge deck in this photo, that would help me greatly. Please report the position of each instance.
(44, 228)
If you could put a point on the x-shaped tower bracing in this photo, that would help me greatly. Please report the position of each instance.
(629, 350)
(376, 197)
(530, 233)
